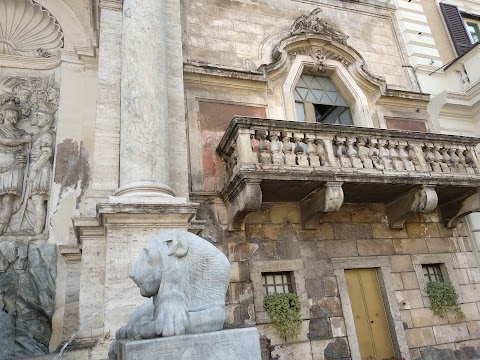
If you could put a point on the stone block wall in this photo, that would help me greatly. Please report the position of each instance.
(358, 231)
(233, 33)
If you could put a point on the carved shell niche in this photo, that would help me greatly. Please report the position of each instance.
(27, 29)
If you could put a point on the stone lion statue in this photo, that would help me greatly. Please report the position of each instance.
(186, 279)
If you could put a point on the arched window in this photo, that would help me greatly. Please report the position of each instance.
(318, 100)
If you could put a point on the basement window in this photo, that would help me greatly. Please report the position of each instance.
(318, 100)
(433, 272)
(277, 282)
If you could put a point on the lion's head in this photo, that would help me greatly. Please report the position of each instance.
(157, 257)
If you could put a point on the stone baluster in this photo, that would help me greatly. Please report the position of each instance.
(301, 158)
(276, 148)
(363, 153)
(437, 158)
(246, 158)
(341, 152)
(384, 154)
(373, 154)
(471, 159)
(416, 154)
(287, 149)
(327, 141)
(429, 156)
(311, 150)
(394, 156)
(321, 152)
(404, 157)
(455, 159)
(352, 153)
(461, 159)
(263, 156)
(232, 164)
(446, 163)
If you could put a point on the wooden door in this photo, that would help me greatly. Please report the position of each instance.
(369, 314)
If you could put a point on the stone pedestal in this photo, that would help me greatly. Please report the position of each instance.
(235, 344)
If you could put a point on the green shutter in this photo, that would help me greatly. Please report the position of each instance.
(457, 30)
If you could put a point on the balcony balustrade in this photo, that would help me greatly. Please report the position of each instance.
(321, 166)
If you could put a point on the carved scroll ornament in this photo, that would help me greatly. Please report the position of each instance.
(314, 24)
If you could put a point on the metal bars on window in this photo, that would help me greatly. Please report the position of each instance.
(433, 272)
(277, 282)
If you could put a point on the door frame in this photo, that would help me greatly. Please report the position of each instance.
(395, 323)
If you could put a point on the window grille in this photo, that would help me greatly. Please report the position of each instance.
(277, 282)
(432, 272)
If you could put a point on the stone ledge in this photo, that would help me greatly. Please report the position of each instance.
(224, 344)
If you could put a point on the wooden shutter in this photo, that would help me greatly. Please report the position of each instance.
(457, 30)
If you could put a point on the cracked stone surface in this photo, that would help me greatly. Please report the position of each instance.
(27, 292)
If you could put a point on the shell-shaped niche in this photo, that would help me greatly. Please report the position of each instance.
(27, 29)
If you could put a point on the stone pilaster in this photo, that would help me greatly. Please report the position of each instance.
(107, 125)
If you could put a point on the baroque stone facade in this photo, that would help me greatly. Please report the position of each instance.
(306, 140)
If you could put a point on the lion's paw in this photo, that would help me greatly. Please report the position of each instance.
(172, 321)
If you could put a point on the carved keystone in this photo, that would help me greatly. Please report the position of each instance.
(244, 201)
(326, 199)
(454, 211)
(423, 199)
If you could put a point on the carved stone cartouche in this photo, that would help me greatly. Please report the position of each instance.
(314, 24)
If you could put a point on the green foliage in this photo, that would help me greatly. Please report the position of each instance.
(444, 300)
(284, 310)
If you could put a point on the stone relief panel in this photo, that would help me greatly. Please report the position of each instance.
(27, 29)
(28, 106)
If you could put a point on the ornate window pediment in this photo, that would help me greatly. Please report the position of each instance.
(28, 30)
(312, 23)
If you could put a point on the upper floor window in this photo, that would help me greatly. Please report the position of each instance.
(464, 28)
(318, 100)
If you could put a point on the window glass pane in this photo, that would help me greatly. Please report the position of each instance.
(270, 279)
(303, 93)
(300, 111)
(297, 96)
(322, 93)
(474, 30)
(308, 80)
(279, 289)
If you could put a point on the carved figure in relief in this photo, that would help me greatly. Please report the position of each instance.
(13, 153)
(40, 172)
(186, 279)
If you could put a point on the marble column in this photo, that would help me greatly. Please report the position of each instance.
(144, 138)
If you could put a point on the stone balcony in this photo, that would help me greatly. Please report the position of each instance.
(321, 166)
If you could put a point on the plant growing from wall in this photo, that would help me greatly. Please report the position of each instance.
(284, 311)
(444, 300)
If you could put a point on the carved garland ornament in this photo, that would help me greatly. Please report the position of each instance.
(27, 29)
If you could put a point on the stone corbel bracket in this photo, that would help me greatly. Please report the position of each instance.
(422, 199)
(456, 210)
(243, 200)
(328, 198)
